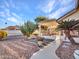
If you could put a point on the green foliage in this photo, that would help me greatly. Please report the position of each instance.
(3, 35)
(68, 25)
(23, 29)
(28, 28)
(40, 18)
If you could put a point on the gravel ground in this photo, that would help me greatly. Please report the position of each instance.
(15, 47)
(66, 50)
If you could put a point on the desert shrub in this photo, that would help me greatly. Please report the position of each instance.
(3, 35)
(27, 28)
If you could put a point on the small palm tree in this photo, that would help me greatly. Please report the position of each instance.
(68, 26)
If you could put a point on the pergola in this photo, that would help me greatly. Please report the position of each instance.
(76, 26)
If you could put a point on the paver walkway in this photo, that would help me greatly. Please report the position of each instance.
(47, 52)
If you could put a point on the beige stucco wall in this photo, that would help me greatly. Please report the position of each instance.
(51, 26)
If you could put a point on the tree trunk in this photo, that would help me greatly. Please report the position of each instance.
(67, 33)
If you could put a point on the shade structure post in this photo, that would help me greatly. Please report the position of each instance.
(58, 38)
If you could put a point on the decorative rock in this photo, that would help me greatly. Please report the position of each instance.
(76, 54)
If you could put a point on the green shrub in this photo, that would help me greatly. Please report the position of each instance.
(28, 28)
(3, 35)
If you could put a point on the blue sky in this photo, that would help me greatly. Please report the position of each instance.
(17, 11)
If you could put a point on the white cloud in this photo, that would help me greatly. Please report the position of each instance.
(55, 14)
(5, 9)
(47, 6)
(65, 2)
(9, 15)
(18, 18)
(2, 14)
(7, 12)
(12, 19)
(11, 3)
(15, 15)
(6, 4)
(60, 12)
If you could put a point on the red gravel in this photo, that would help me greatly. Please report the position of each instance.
(66, 50)
(9, 49)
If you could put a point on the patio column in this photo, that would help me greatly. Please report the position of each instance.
(40, 34)
(58, 38)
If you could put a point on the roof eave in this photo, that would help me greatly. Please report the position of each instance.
(69, 13)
